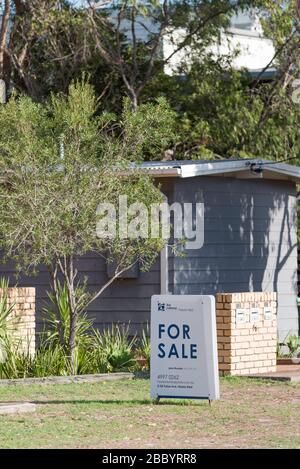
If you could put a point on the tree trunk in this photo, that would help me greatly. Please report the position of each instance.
(2, 91)
(134, 100)
(72, 339)
(66, 267)
(4, 68)
(73, 312)
(54, 286)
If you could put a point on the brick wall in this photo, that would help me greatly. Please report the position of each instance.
(22, 318)
(247, 332)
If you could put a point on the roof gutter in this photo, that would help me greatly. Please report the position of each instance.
(293, 175)
(168, 172)
(210, 169)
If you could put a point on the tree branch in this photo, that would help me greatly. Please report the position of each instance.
(111, 280)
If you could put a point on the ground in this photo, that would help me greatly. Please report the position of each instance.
(120, 414)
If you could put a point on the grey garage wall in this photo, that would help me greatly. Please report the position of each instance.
(249, 245)
(250, 241)
(126, 301)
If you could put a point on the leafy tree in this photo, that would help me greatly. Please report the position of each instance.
(47, 43)
(224, 113)
(58, 162)
(221, 112)
(44, 45)
(135, 30)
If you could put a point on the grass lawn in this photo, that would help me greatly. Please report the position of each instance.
(120, 414)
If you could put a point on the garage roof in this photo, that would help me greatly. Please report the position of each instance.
(243, 169)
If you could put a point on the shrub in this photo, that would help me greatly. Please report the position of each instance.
(144, 349)
(114, 348)
(49, 361)
(17, 364)
(57, 332)
(5, 310)
(293, 344)
(57, 320)
(95, 352)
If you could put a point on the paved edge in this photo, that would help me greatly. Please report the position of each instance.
(97, 378)
(290, 379)
(10, 408)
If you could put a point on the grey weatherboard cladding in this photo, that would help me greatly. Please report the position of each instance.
(250, 244)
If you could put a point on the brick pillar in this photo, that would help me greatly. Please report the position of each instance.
(247, 332)
(22, 318)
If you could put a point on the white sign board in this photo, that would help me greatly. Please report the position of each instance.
(184, 354)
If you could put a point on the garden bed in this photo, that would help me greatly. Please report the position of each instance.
(288, 361)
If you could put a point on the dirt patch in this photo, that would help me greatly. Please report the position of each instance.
(249, 416)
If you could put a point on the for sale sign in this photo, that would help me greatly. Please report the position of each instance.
(184, 355)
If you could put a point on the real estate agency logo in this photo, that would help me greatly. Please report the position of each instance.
(161, 306)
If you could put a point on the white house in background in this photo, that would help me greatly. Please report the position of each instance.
(245, 35)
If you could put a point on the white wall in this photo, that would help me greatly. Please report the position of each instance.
(255, 52)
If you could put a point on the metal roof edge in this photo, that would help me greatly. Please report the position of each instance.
(204, 169)
(292, 172)
(186, 169)
(162, 172)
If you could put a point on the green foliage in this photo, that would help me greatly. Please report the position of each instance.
(293, 344)
(57, 315)
(49, 361)
(95, 352)
(54, 203)
(5, 311)
(16, 364)
(105, 353)
(114, 348)
(219, 112)
(46, 362)
(56, 336)
(156, 129)
(222, 112)
(144, 348)
(59, 47)
(59, 162)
